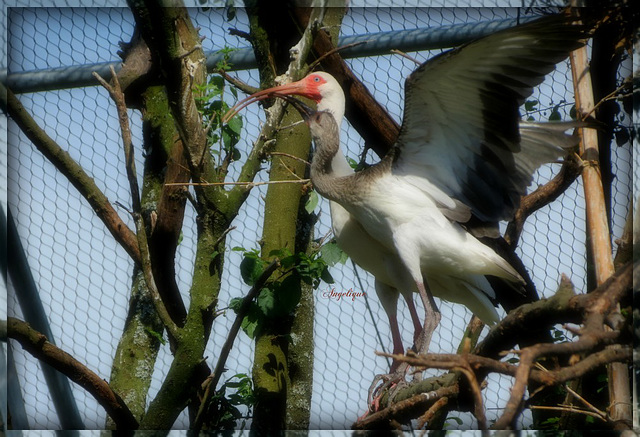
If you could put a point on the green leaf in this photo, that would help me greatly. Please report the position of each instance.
(236, 155)
(551, 421)
(266, 301)
(252, 322)
(326, 276)
(251, 268)
(288, 295)
(235, 303)
(622, 136)
(332, 254)
(530, 105)
(227, 140)
(455, 419)
(312, 202)
(235, 124)
(216, 85)
(281, 253)
(573, 113)
(156, 335)
(231, 12)
(555, 112)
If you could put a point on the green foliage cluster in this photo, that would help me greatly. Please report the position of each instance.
(221, 137)
(223, 412)
(279, 297)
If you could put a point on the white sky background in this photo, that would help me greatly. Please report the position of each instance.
(84, 276)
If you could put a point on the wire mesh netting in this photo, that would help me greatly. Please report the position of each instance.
(84, 276)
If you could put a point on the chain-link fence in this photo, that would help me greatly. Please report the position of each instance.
(84, 277)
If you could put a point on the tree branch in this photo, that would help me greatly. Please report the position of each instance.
(118, 97)
(542, 196)
(274, 117)
(595, 306)
(212, 381)
(37, 345)
(76, 175)
(406, 408)
(591, 309)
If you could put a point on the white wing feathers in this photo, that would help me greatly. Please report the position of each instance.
(461, 126)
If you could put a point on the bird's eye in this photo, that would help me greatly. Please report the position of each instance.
(316, 78)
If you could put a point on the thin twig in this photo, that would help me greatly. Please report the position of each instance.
(251, 184)
(240, 33)
(478, 410)
(569, 409)
(118, 97)
(332, 51)
(291, 172)
(585, 402)
(611, 95)
(212, 381)
(242, 86)
(288, 155)
(431, 412)
(375, 420)
(145, 258)
(221, 237)
(404, 55)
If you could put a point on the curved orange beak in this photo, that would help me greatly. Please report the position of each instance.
(299, 88)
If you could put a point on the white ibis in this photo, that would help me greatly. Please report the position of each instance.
(462, 151)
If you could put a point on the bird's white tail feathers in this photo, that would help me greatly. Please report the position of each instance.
(473, 291)
(543, 142)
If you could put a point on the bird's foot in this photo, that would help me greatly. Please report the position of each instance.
(383, 384)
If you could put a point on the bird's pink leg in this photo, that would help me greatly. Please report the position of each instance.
(422, 340)
(398, 348)
(399, 369)
(417, 324)
(396, 373)
(431, 320)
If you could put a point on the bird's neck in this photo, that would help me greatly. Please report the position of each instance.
(339, 164)
(329, 168)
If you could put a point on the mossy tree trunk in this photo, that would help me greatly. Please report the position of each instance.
(283, 360)
(176, 151)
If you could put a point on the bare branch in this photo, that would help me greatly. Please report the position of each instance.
(250, 184)
(242, 86)
(76, 175)
(595, 305)
(405, 408)
(563, 306)
(118, 97)
(212, 381)
(542, 196)
(37, 345)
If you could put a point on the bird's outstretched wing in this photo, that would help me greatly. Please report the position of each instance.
(461, 134)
